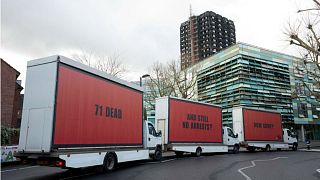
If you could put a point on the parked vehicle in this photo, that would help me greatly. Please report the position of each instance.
(261, 129)
(75, 116)
(193, 127)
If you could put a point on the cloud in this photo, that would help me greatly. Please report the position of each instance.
(141, 31)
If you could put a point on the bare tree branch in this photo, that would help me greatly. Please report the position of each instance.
(306, 36)
(111, 65)
(317, 4)
(84, 57)
(169, 80)
(108, 64)
(160, 83)
(184, 81)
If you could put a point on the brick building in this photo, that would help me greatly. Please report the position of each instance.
(10, 96)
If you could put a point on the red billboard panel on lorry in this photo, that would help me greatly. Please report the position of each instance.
(194, 122)
(262, 125)
(92, 111)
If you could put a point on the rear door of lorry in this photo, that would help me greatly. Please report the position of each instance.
(38, 106)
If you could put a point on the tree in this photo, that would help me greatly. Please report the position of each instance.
(306, 36)
(169, 80)
(112, 65)
(159, 84)
(109, 64)
(86, 58)
(184, 81)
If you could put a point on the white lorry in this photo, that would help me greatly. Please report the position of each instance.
(194, 127)
(261, 129)
(75, 116)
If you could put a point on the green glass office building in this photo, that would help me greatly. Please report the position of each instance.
(246, 75)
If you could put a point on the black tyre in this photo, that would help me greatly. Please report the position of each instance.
(109, 163)
(294, 146)
(198, 152)
(235, 149)
(278, 149)
(268, 148)
(179, 153)
(157, 154)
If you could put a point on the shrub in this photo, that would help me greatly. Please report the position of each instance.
(7, 134)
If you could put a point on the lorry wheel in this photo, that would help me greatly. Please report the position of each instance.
(295, 146)
(109, 162)
(179, 153)
(157, 154)
(267, 149)
(235, 149)
(278, 149)
(198, 152)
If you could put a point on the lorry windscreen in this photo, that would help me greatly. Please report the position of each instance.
(230, 133)
(152, 131)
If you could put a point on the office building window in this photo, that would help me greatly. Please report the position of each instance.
(303, 110)
(315, 112)
(300, 90)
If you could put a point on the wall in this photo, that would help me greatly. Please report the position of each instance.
(10, 98)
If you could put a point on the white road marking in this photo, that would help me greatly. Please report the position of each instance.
(254, 164)
(18, 169)
(318, 170)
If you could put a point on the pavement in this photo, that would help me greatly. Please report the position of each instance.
(314, 146)
(314, 143)
(310, 150)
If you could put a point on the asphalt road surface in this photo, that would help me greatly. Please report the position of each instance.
(274, 165)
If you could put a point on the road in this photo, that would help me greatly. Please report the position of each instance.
(260, 166)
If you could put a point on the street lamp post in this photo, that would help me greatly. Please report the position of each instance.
(143, 76)
(144, 114)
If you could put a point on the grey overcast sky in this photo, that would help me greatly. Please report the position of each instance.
(141, 31)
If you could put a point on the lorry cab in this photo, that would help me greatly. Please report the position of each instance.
(153, 141)
(290, 138)
(230, 139)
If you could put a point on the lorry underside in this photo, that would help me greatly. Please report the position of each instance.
(196, 148)
(267, 146)
(85, 158)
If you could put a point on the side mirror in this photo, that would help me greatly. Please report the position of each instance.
(159, 133)
(237, 135)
